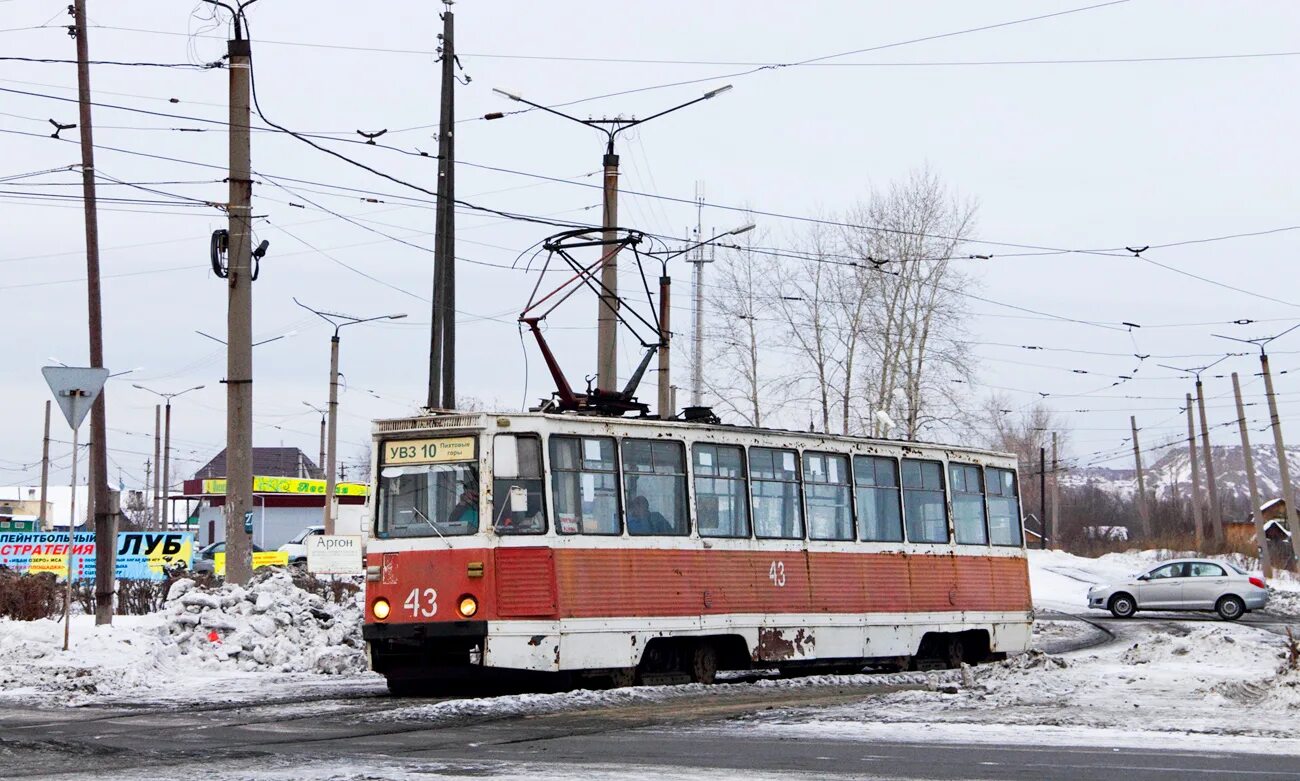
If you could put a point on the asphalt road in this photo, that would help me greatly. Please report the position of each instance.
(358, 737)
(352, 738)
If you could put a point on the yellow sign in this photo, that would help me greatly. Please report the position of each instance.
(429, 451)
(266, 558)
(289, 485)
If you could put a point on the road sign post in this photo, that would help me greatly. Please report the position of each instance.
(75, 389)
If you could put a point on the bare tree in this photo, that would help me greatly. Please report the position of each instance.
(740, 373)
(907, 236)
(1023, 432)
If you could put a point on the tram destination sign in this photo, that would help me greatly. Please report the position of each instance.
(429, 451)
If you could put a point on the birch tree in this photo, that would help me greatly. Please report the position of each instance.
(740, 371)
(906, 236)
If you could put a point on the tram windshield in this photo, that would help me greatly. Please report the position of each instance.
(428, 500)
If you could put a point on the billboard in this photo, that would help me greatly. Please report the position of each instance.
(140, 555)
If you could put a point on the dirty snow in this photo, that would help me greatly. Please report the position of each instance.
(228, 641)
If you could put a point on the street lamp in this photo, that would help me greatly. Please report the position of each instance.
(323, 412)
(666, 404)
(339, 321)
(607, 305)
(167, 447)
(284, 335)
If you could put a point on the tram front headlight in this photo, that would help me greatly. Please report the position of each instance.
(468, 606)
(380, 608)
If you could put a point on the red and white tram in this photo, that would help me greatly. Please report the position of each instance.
(636, 549)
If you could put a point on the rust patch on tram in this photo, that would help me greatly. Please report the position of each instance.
(775, 645)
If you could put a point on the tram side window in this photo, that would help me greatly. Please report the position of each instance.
(826, 490)
(1004, 507)
(584, 480)
(880, 514)
(774, 483)
(518, 502)
(721, 499)
(924, 507)
(654, 482)
(967, 483)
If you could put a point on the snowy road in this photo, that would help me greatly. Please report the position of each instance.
(1162, 696)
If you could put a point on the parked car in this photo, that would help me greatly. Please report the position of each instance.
(1184, 584)
(205, 559)
(297, 547)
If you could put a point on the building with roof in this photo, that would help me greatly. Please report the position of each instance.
(288, 497)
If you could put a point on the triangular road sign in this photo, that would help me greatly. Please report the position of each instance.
(75, 389)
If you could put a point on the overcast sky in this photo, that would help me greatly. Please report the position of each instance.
(1078, 155)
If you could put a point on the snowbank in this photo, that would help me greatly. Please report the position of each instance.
(271, 625)
(234, 642)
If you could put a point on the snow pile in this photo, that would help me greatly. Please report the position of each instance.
(229, 643)
(271, 625)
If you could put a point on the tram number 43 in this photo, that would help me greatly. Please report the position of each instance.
(422, 602)
(776, 574)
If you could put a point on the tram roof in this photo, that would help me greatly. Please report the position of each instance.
(448, 421)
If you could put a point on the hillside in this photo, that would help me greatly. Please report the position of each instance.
(1171, 475)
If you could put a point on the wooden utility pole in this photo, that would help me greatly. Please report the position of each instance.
(157, 465)
(1056, 485)
(1196, 479)
(1258, 517)
(239, 320)
(442, 345)
(105, 533)
(1144, 511)
(1288, 491)
(1211, 487)
(1042, 495)
(45, 471)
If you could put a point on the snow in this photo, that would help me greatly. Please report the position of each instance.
(1163, 680)
(241, 643)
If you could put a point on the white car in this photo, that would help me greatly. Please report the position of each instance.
(1184, 584)
(297, 547)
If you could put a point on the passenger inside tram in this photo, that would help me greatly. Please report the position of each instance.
(642, 520)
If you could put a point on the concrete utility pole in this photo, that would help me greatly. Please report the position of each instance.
(1056, 488)
(105, 531)
(1212, 489)
(1255, 514)
(323, 412)
(442, 345)
(239, 319)
(1144, 511)
(1196, 478)
(157, 464)
(1284, 467)
(331, 445)
(167, 447)
(45, 471)
(1288, 491)
(152, 520)
(666, 408)
(608, 300)
(697, 283)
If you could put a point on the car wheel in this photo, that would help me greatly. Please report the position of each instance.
(1123, 606)
(1230, 608)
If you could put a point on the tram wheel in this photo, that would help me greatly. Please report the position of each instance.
(704, 663)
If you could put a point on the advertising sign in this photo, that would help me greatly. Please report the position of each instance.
(429, 451)
(140, 555)
(336, 554)
(265, 558)
(288, 485)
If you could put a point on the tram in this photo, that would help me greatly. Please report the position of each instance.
(636, 550)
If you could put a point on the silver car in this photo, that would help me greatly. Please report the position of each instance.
(1184, 584)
